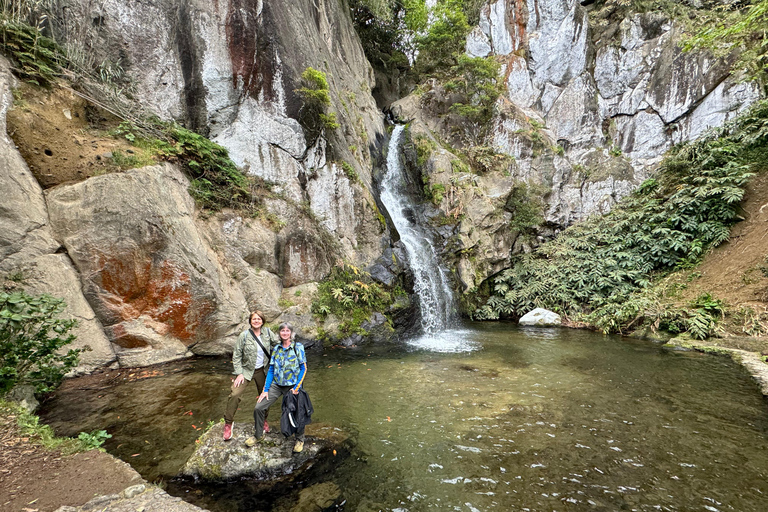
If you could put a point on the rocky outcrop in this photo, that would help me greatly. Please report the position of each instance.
(54, 274)
(594, 98)
(24, 230)
(152, 281)
(605, 89)
(230, 70)
(217, 460)
(28, 248)
(137, 497)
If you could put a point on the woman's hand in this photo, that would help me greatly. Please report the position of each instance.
(239, 380)
(295, 391)
(262, 396)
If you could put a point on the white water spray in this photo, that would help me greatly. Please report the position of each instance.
(430, 279)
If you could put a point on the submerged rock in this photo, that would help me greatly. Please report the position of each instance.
(540, 317)
(216, 459)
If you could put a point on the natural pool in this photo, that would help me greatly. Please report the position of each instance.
(526, 419)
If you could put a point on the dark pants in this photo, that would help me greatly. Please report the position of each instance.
(236, 394)
(262, 408)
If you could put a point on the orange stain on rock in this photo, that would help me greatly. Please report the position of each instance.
(161, 293)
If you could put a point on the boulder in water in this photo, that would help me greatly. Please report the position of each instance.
(541, 317)
(216, 460)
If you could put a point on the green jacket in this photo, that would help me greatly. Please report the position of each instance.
(247, 351)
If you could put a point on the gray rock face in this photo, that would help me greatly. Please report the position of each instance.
(641, 95)
(540, 317)
(146, 271)
(24, 230)
(230, 70)
(54, 274)
(24, 395)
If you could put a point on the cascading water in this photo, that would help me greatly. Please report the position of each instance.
(430, 278)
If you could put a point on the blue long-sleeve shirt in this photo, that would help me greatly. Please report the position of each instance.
(287, 367)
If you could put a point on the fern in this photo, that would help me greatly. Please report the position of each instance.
(604, 267)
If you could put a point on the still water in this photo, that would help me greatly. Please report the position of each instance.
(495, 417)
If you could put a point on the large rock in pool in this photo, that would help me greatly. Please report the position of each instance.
(540, 317)
(216, 459)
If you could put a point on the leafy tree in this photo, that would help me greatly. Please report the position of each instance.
(477, 80)
(445, 38)
(30, 338)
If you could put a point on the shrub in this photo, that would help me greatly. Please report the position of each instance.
(477, 81)
(216, 182)
(742, 29)
(31, 337)
(316, 96)
(351, 295)
(38, 58)
(526, 207)
(442, 44)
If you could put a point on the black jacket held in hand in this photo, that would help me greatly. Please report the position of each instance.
(297, 412)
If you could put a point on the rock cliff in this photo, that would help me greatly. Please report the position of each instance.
(149, 278)
(594, 98)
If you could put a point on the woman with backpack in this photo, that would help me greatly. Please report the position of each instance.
(251, 360)
(287, 369)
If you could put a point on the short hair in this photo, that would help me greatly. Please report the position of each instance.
(289, 326)
(256, 312)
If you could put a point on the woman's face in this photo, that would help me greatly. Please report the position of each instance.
(285, 333)
(256, 322)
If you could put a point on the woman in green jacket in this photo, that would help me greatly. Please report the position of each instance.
(251, 361)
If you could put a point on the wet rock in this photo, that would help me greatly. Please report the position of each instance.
(381, 274)
(541, 317)
(317, 497)
(134, 499)
(217, 460)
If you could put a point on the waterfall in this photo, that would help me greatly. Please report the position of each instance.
(430, 278)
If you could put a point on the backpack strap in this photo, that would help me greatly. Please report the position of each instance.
(266, 354)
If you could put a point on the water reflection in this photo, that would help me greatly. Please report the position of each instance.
(528, 419)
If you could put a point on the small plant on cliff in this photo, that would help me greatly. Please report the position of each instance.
(739, 28)
(38, 59)
(31, 337)
(526, 206)
(351, 295)
(317, 98)
(216, 181)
